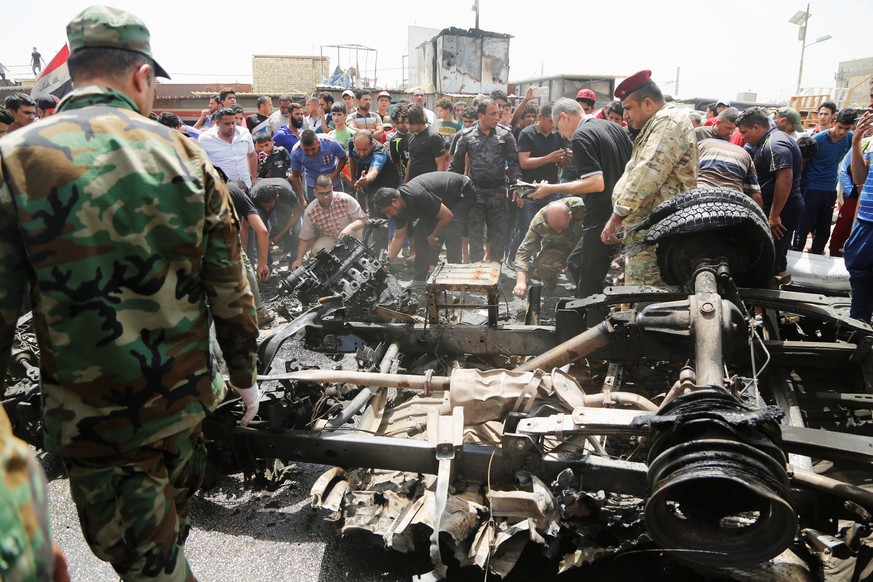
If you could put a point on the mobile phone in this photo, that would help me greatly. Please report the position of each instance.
(540, 91)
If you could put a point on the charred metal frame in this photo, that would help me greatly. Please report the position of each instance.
(712, 323)
(707, 323)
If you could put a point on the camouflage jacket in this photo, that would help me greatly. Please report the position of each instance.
(25, 544)
(662, 165)
(540, 235)
(129, 241)
(492, 156)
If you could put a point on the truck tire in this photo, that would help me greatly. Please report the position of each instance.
(711, 227)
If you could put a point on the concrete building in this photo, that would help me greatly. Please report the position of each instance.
(568, 86)
(458, 61)
(853, 83)
(277, 74)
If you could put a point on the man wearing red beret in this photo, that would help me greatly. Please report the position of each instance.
(663, 164)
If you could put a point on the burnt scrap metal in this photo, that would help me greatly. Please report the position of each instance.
(347, 270)
(728, 428)
(21, 398)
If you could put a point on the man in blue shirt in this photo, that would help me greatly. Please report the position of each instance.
(370, 167)
(820, 183)
(846, 217)
(778, 163)
(317, 154)
(288, 135)
(858, 251)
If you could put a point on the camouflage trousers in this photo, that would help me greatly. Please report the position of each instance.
(25, 540)
(641, 267)
(134, 508)
(549, 263)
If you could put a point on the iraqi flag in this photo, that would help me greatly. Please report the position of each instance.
(55, 78)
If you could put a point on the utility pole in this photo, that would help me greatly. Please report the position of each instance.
(476, 10)
(803, 28)
(676, 88)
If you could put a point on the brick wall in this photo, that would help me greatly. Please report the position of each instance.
(276, 74)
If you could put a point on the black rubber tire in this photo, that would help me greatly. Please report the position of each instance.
(708, 227)
(698, 196)
(701, 217)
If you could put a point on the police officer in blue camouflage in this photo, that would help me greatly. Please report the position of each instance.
(493, 155)
(129, 242)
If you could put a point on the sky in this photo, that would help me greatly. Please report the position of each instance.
(719, 49)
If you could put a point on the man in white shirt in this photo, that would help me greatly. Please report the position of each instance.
(314, 115)
(230, 147)
(279, 117)
(418, 98)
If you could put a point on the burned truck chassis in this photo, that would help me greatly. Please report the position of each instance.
(327, 331)
(731, 424)
(660, 332)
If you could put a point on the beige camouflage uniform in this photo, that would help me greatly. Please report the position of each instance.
(663, 164)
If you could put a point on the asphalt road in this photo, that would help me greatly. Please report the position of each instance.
(241, 533)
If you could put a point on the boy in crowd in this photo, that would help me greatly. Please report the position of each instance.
(273, 161)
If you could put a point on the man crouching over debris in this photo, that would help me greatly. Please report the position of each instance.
(432, 204)
(129, 242)
(552, 234)
(328, 218)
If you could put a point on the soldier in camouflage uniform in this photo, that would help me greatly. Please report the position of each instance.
(663, 164)
(492, 151)
(553, 233)
(26, 550)
(129, 241)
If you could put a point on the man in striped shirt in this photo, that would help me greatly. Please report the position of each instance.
(328, 218)
(363, 118)
(725, 165)
(858, 251)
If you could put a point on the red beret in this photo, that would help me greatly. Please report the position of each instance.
(632, 83)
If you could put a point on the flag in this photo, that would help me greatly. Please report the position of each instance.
(55, 78)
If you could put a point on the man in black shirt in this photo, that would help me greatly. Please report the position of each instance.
(265, 109)
(398, 141)
(487, 153)
(540, 154)
(432, 203)
(280, 209)
(250, 221)
(601, 150)
(779, 166)
(36, 62)
(426, 149)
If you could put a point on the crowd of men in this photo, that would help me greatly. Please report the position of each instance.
(616, 163)
(130, 236)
